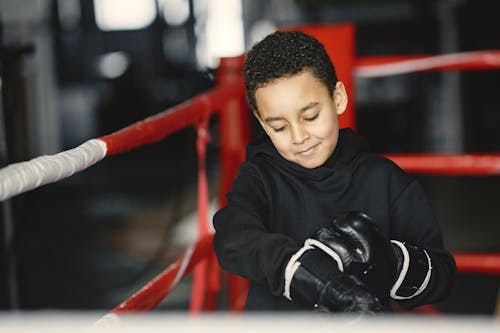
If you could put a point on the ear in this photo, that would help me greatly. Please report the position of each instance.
(340, 97)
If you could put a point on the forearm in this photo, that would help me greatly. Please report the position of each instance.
(245, 248)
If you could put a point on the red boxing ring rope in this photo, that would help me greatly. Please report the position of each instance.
(486, 263)
(159, 126)
(153, 292)
(447, 164)
(379, 66)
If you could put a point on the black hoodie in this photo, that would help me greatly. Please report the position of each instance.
(275, 204)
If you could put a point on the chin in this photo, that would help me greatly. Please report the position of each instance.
(311, 164)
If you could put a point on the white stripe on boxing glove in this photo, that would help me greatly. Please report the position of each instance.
(293, 264)
(404, 271)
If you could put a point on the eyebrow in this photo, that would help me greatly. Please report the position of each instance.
(301, 110)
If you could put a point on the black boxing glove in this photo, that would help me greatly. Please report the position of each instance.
(313, 277)
(389, 268)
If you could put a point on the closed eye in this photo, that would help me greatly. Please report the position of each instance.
(279, 129)
(312, 118)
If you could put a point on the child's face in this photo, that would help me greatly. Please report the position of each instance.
(299, 114)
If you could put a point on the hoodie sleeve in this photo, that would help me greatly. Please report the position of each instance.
(413, 221)
(243, 244)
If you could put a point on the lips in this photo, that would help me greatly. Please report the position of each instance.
(308, 150)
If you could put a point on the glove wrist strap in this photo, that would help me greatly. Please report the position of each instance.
(294, 263)
(291, 268)
(411, 280)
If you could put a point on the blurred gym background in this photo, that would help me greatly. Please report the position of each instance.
(72, 70)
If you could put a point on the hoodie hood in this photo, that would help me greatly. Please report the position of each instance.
(348, 146)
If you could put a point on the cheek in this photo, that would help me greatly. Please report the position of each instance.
(280, 142)
(327, 127)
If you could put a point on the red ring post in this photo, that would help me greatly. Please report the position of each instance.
(234, 133)
(339, 42)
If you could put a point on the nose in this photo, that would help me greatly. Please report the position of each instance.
(299, 134)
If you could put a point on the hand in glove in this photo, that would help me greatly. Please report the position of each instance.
(388, 267)
(314, 277)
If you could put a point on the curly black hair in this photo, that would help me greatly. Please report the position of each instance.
(282, 54)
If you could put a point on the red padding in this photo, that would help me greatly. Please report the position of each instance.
(440, 164)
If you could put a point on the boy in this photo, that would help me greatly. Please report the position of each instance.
(313, 220)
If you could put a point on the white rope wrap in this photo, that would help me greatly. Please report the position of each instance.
(404, 270)
(293, 265)
(182, 269)
(109, 320)
(24, 176)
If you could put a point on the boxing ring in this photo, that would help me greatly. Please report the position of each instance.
(227, 100)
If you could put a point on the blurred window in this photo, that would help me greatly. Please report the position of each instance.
(219, 30)
(124, 14)
(175, 12)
